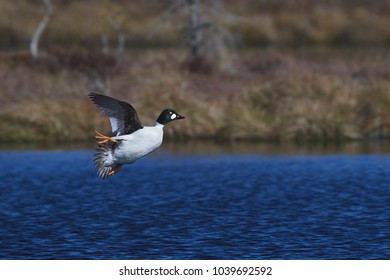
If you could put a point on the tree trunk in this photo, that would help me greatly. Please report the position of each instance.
(195, 29)
(41, 27)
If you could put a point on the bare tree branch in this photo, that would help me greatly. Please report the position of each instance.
(173, 11)
(205, 23)
(41, 27)
(121, 35)
(195, 29)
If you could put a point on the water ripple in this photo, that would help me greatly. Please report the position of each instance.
(53, 206)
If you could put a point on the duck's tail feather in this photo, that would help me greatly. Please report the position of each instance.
(104, 161)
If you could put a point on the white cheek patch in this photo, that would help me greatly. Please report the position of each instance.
(173, 116)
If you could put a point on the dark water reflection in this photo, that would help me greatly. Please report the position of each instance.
(182, 204)
(196, 147)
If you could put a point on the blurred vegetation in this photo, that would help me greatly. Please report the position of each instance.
(149, 23)
(309, 91)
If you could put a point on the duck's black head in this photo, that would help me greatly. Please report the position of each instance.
(167, 116)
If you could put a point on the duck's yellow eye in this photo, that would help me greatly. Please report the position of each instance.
(170, 113)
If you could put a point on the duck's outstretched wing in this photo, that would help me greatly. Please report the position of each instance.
(123, 117)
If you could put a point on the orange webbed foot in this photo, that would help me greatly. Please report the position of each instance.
(116, 170)
(103, 138)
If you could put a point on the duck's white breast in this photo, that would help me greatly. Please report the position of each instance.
(138, 144)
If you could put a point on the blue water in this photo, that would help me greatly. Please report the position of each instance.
(166, 206)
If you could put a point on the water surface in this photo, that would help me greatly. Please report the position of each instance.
(180, 205)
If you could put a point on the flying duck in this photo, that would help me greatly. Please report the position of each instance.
(132, 140)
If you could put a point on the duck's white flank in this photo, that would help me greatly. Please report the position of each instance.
(136, 145)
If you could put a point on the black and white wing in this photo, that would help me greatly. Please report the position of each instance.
(123, 117)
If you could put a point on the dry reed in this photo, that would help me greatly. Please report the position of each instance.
(273, 97)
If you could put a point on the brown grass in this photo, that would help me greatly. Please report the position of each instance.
(273, 95)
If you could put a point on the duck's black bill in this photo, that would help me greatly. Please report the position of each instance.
(179, 117)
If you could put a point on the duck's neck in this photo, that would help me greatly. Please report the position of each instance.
(158, 125)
